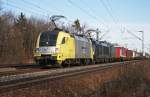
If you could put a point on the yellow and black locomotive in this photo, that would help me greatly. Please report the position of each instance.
(60, 47)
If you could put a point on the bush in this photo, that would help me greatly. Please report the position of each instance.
(134, 82)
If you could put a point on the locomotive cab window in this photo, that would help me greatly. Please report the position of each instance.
(48, 38)
(63, 41)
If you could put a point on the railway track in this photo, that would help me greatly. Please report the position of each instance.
(8, 83)
(14, 71)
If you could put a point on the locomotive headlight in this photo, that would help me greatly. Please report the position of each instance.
(37, 50)
(56, 50)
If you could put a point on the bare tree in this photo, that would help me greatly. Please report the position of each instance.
(36, 26)
(7, 40)
(77, 26)
(84, 28)
(18, 35)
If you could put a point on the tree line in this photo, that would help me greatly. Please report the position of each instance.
(18, 35)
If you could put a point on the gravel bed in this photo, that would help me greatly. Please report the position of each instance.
(7, 69)
(45, 73)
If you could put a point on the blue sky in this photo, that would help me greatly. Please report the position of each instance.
(112, 15)
(133, 11)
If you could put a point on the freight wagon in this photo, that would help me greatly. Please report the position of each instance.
(102, 51)
(129, 55)
(147, 55)
(120, 53)
(137, 55)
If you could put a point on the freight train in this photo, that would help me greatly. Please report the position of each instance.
(58, 47)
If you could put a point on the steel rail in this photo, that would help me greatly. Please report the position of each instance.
(22, 83)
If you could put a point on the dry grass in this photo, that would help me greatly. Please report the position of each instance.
(132, 80)
(135, 82)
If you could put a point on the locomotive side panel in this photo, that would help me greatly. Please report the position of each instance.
(66, 44)
(83, 48)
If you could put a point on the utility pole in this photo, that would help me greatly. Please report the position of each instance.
(149, 48)
(139, 38)
(97, 34)
(142, 41)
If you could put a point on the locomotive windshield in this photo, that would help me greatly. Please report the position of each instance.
(48, 38)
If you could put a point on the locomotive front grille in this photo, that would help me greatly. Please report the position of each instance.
(46, 57)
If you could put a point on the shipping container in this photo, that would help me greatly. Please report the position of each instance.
(129, 54)
(120, 52)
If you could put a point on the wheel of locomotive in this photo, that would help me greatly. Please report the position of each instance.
(88, 61)
(68, 63)
(39, 62)
(82, 61)
(64, 64)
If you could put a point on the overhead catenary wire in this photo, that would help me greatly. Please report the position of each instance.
(87, 13)
(92, 10)
(14, 6)
(110, 7)
(108, 2)
(54, 7)
(28, 6)
(116, 17)
(133, 34)
(83, 10)
(108, 11)
(37, 6)
(57, 11)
